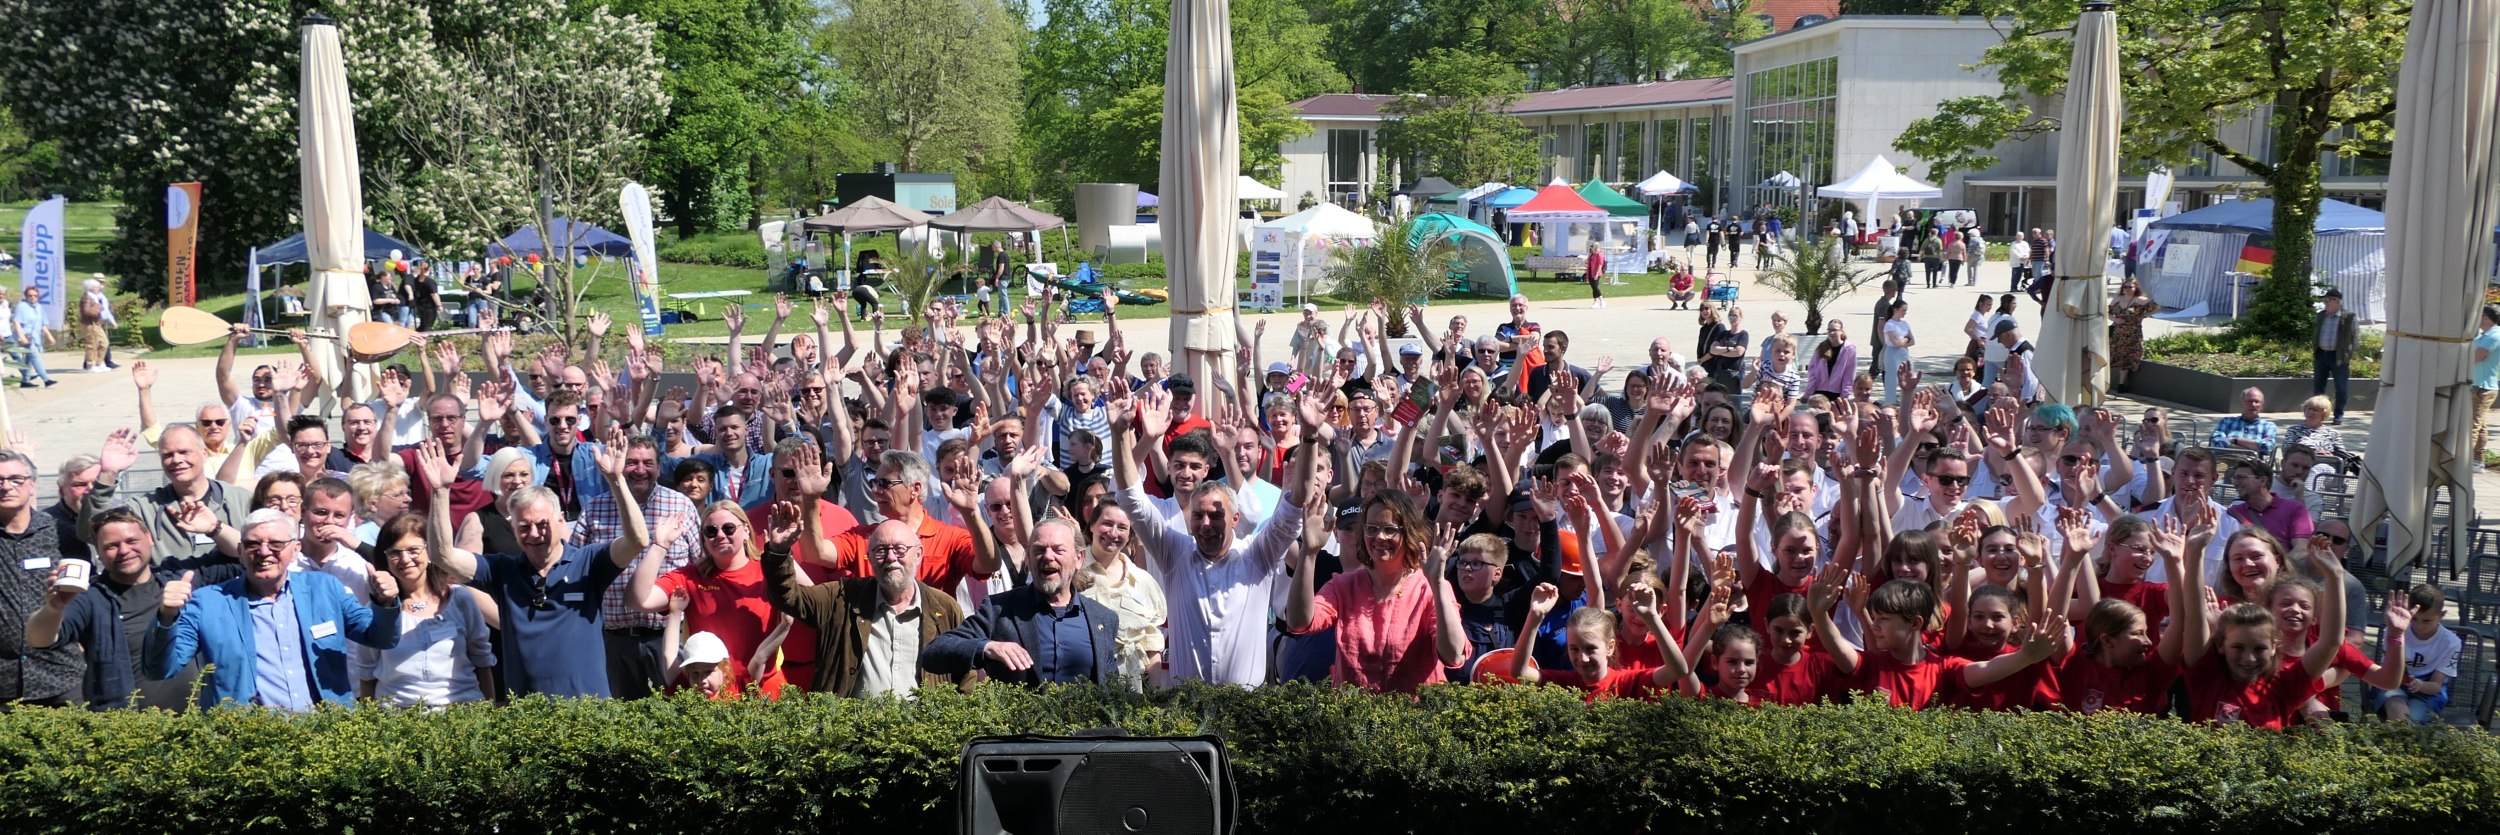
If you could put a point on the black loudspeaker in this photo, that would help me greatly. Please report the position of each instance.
(1032, 785)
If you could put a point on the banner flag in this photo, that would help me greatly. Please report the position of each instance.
(646, 262)
(43, 254)
(182, 238)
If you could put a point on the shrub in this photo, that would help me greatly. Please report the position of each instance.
(1135, 276)
(1459, 759)
(2232, 354)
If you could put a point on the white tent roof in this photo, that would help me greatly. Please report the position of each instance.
(1659, 183)
(1326, 220)
(1250, 189)
(1483, 191)
(1880, 179)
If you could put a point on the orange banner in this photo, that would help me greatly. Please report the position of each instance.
(182, 238)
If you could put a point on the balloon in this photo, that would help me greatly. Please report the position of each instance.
(533, 259)
(395, 256)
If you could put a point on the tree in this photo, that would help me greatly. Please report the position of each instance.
(521, 123)
(1456, 123)
(1094, 87)
(2318, 75)
(1813, 276)
(1617, 41)
(1378, 41)
(933, 81)
(734, 70)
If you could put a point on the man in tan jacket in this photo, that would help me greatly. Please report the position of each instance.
(869, 630)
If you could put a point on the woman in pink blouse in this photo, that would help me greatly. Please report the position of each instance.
(1397, 621)
(1835, 362)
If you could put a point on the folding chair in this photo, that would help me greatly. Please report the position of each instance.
(2476, 690)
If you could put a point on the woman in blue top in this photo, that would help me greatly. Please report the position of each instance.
(34, 333)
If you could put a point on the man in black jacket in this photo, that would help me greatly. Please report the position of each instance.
(2332, 346)
(1040, 633)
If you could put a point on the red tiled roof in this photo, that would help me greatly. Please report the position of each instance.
(1343, 105)
(1784, 13)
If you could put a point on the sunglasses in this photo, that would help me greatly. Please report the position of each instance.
(2069, 460)
(2339, 540)
(212, 423)
(715, 531)
(1953, 480)
(538, 594)
(566, 420)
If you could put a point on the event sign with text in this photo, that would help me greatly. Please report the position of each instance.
(182, 238)
(43, 253)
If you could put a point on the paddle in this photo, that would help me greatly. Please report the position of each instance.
(379, 341)
(193, 326)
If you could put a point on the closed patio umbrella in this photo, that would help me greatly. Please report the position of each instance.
(334, 206)
(2439, 203)
(2074, 334)
(1201, 176)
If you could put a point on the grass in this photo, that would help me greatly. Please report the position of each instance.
(91, 227)
(2230, 354)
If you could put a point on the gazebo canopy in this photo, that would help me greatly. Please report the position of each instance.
(1428, 188)
(998, 214)
(573, 238)
(1510, 198)
(1613, 202)
(1250, 189)
(1879, 180)
(1326, 220)
(866, 215)
(1662, 183)
(292, 250)
(2335, 217)
(1558, 203)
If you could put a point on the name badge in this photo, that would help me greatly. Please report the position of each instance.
(323, 629)
(575, 597)
(203, 539)
(36, 563)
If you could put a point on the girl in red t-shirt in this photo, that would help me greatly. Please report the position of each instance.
(1791, 671)
(1983, 629)
(2294, 601)
(2245, 680)
(2130, 552)
(1898, 666)
(2251, 560)
(2119, 666)
(1590, 641)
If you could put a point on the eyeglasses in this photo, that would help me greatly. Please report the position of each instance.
(410, 551)
(311, 444)
(2070, 460)
(716, 531)
(1383, 530)
(2339, 540)
(2034, 427)
(538, 594)
(265, 546)
(1953, 480)
(891, 550)
(885, 483)
(1925, 448)
(1474, 565)
(12, 482)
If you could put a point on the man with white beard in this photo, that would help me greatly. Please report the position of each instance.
(1040, 633)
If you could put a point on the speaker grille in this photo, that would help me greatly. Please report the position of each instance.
(1145, 791)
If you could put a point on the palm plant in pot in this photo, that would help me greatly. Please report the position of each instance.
(1391, 273)
(1813, 276)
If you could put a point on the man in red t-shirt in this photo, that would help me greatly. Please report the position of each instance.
(948, 554)
(446, 418)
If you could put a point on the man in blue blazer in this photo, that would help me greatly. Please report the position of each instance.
(274, 637)
(1039, 633)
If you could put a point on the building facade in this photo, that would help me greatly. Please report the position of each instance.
(1816, 103)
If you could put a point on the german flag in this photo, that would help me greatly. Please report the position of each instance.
(2257, 257)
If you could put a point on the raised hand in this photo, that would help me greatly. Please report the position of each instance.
(121, 451)
(2398, 616)
(670, 527)
(460, 387)
(1541, 599)
(191, 516)
(781, 308)
(784, 525)
(143, 375)
(2074, 525)
(814, 473)
(434, 464)
(447, 357)
(177, 593)
(820, 314)
(2170, 537)
(611, 454)
(384, 588)
(599, 322)
(735, 316)
(1154, 412)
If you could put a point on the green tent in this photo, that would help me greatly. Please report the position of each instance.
(1483, 266)
(1613, 202)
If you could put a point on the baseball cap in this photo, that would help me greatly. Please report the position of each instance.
(2004, 326)
(1411, 350)
(1308, 307)
(2334, 292)
(1280, 367)
(1180, 384)
(703, 648)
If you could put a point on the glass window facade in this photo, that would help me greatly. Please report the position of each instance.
(1706, 157)
(1349, 164)
(1628, 150)
(1593, 160)
(1790, 113)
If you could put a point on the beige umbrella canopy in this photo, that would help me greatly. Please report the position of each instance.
(2440, 212)
(334, 205)
(2074, 335)
(867, 215)
(1200, 176)
(998, 214)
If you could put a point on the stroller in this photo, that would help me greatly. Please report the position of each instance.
(1723, 288)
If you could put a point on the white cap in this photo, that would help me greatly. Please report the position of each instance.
(1279, 367)
(702, 648)
(1308, 307)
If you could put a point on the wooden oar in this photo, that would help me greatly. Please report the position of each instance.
(380, 341)
(193, 326)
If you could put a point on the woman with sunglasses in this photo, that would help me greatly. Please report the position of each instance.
(446, 651)
(725, 597)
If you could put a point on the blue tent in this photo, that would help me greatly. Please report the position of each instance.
(377, 245)
(585, 238)
(1512, 198)
(2335, 217)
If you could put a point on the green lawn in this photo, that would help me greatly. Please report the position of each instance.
(91, 227)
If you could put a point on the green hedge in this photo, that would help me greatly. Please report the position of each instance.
(723, 249)
(1310, 760)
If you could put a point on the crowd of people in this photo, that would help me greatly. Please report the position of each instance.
(1021, 499)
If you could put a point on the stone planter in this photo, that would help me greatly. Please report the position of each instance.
(2216, 393)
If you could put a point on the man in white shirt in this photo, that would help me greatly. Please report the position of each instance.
(2192, 476)
(1222, 581)
(1243, 451)
(1947, 482)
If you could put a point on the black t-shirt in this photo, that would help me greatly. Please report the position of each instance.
(1717, 364)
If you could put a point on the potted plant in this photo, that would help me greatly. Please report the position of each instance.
(1391, 273)
(1814, 277)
